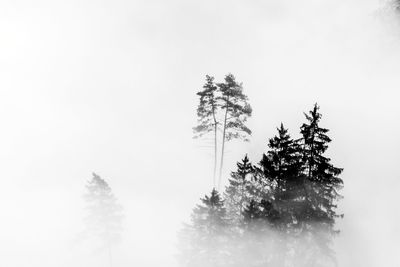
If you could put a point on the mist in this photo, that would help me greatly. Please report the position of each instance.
(110, 87)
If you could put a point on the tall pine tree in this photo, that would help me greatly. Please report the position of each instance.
(236, 111)
(207, 115)
(281, 168)
(319, 171)
(322, 184)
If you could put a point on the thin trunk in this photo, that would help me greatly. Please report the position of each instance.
(303, 183)
(215, 148)
(242, 198)
(215, 155)
(311, 161)
(223, 144)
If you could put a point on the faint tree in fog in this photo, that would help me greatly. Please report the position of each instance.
(104, 214)
(207, 115)
(204, 240)
(237, 193)
(236, 111)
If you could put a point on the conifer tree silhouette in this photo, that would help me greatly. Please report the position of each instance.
(322, 184)
(207, 116)
(104, 219)
(281, 212)
(204, 240)
(236, 111)
(236, 194)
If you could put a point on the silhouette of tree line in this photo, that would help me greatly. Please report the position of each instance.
(278, 212)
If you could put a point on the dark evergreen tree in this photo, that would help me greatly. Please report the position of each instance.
(104, 220)
(319, 171)
(321, 190)
(282, 169)
(260, 215)
(283, 211)
(204, 240)
(237, 110)
(207, 115)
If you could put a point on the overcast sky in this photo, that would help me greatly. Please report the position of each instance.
(109, 86)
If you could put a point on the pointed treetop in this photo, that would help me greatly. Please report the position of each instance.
(314, 116)
(213, 200)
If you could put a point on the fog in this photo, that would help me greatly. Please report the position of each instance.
(110, 87)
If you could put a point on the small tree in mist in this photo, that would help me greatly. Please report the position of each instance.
(236, 111)
(207, 115)
(203, 241)
(104, 217)
(237, 194)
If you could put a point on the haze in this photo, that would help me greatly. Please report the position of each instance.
(110, 87)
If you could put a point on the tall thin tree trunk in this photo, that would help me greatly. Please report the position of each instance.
(223, 145)
(311, 163)
(242, 198)
(215, 155)
(215, 148)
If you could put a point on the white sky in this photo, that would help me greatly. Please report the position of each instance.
(109, 86)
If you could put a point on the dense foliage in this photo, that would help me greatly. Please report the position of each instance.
(279, 212)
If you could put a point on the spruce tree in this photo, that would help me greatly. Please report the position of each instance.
(207, 115)
(282, 168)
(237, 194)
(319, 171)
(104, 219)
(236, 111)
(204, 240)
(283, 211)
(321, 187)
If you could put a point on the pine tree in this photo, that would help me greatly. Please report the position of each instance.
(237, 194)
(283, 211)
(104, 220)
(236, 111)
(207, 115)
(282, 168)
(321, 187)
(318, 169)
(204, 241)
